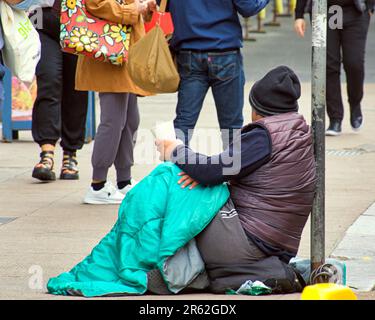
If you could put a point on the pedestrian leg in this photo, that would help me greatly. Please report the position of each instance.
(192, 91)
(108, 137)
(125, 154)
(228, 80)
(335, 107)
(354, 38)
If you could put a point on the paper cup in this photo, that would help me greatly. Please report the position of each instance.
(164, 131)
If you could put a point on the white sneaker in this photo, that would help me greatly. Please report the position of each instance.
(108, 195)
(126, 189)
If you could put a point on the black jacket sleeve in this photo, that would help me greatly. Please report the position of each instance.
(300, 8)
(371, 5)
(238, 160)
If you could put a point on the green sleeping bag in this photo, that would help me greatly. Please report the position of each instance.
(156, 219)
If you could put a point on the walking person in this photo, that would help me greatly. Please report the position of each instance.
(346, 46)
(207, 40)
(59, 110)
(119, 118)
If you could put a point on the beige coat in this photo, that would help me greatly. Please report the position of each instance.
(99, 76)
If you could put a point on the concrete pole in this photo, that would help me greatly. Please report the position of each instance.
(318, 88)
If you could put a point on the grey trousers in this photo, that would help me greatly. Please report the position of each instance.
(231, 258)
(224, 242)
(116, 135)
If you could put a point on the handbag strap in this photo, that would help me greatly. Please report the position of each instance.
(163, 6)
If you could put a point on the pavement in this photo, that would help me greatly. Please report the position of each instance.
(45, 229)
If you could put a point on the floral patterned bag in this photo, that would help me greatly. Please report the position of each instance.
(83, 34)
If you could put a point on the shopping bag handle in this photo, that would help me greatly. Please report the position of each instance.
(162, 9)
(163, 6)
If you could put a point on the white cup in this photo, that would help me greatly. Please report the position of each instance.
(164, 131)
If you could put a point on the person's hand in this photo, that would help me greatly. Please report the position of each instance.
(300, 27)
(166, 147)
(141, 6)
(186, 181)
(152, 5)
(151, 8)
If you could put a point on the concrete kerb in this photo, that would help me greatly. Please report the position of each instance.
(357, 250)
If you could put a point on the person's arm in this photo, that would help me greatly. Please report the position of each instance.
(248, 8)
(300, 23)
(371, 6)
(113, 11)
(299, 12)
(232, 164)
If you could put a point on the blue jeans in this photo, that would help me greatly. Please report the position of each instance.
(223, 72)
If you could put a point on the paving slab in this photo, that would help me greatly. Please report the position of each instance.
(357, 250)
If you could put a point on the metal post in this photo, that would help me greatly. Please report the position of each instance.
(318, 88)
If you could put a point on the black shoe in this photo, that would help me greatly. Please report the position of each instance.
(334, 128)
(294, 283)
(356, 123)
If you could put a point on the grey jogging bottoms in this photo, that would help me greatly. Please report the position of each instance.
(116, 135)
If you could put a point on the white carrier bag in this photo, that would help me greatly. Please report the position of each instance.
(21, 52)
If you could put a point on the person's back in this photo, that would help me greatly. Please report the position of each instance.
(274, 201)
(205, 25)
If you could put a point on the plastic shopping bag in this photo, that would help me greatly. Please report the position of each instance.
(23, 98)
(151, 65)
(21, 52)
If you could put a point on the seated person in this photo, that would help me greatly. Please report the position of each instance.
(271, 187)
(248, 230)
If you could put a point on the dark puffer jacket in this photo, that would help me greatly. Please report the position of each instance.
(274, 202)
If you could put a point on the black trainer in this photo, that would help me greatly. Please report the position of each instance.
(356, 123)
(334, 128)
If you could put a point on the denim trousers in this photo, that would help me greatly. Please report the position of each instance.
(223, 73)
